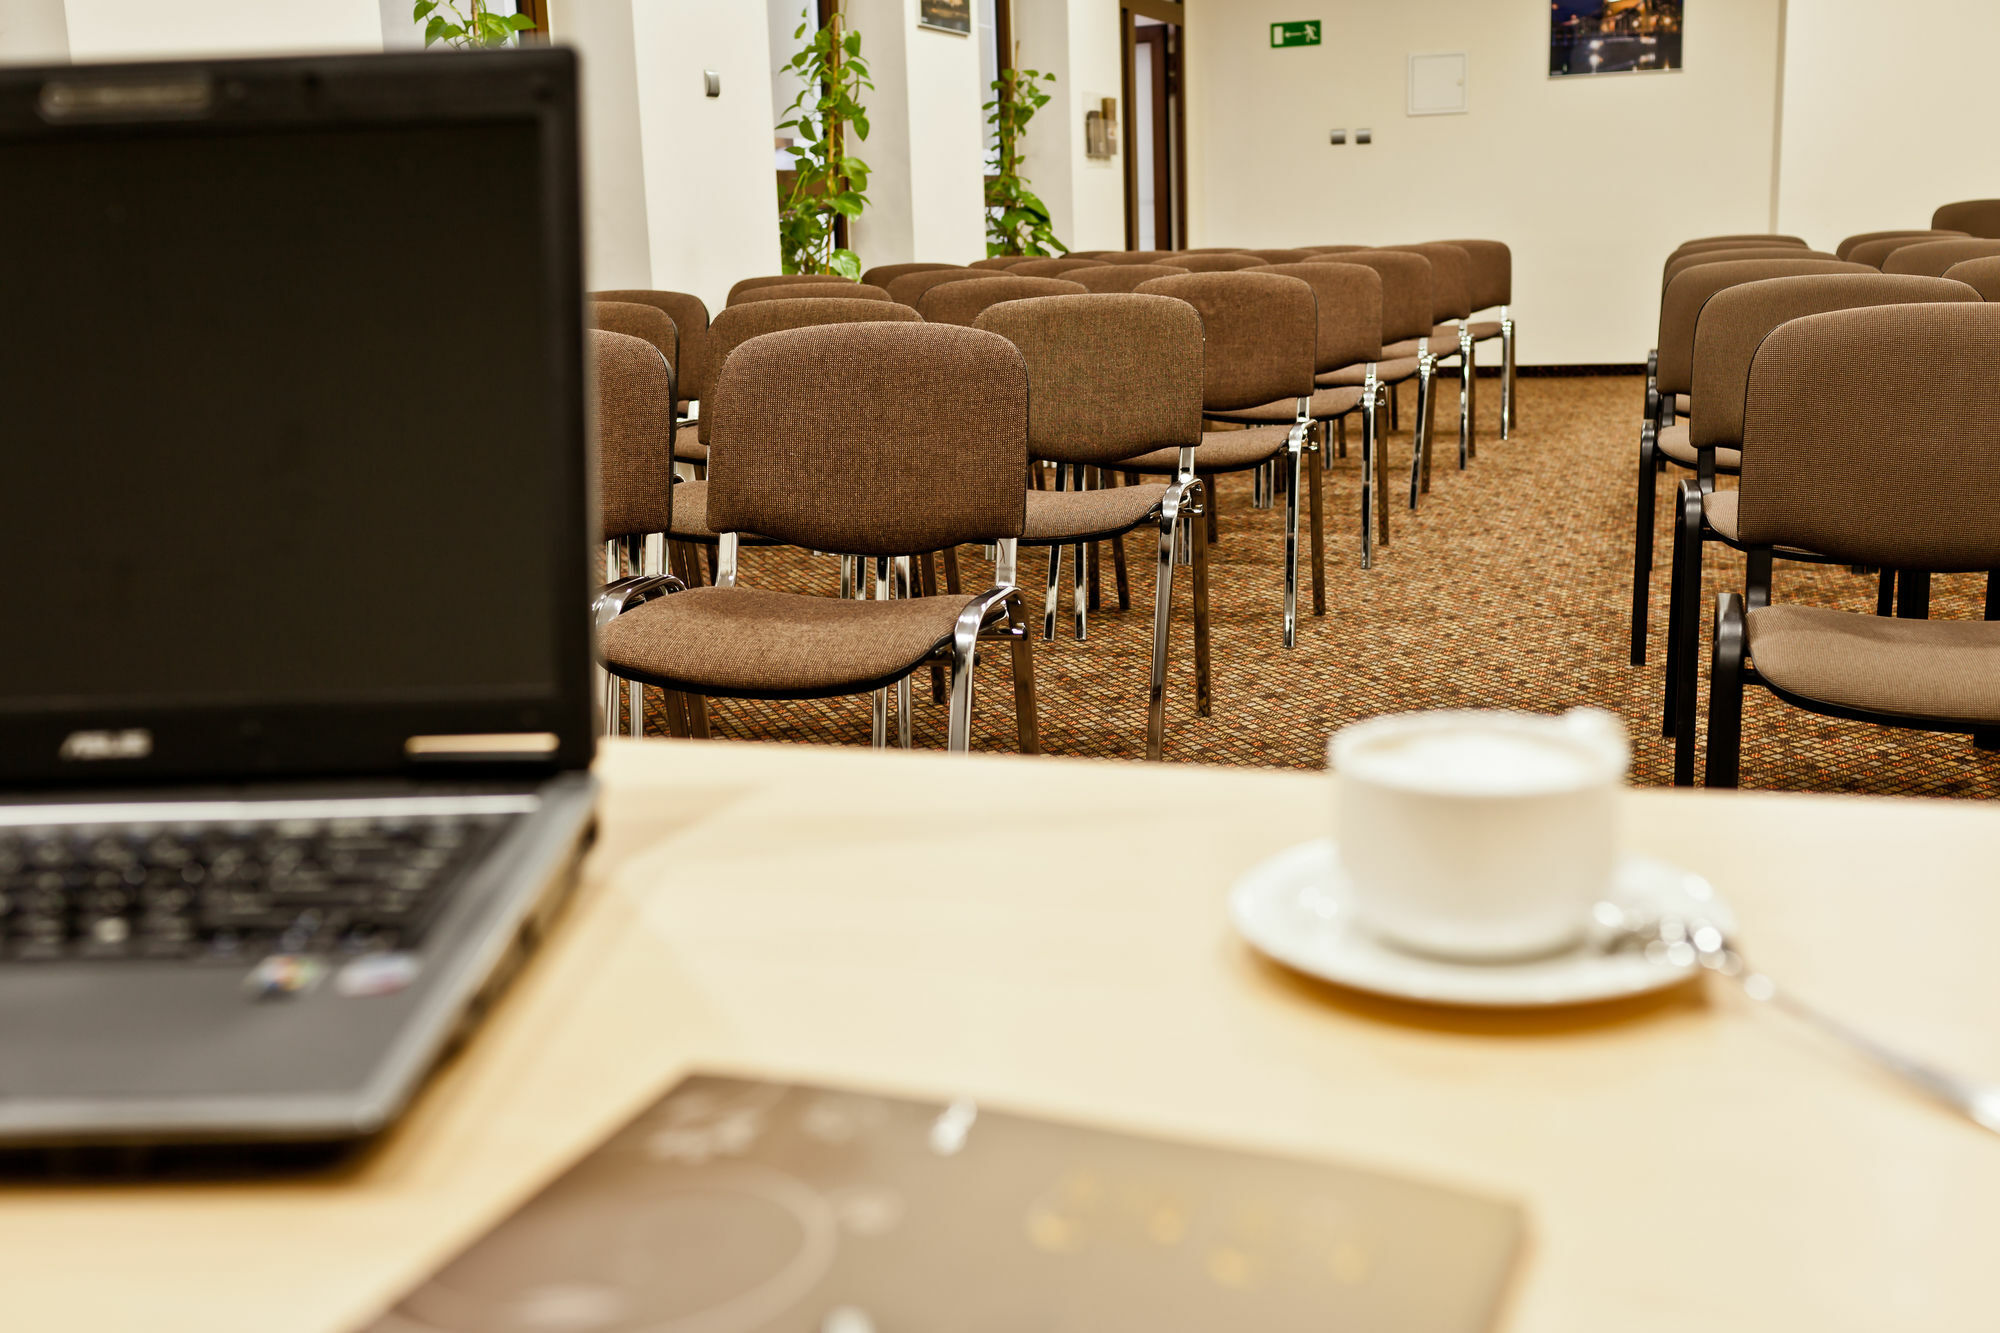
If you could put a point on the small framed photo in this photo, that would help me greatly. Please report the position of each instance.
(945, 16)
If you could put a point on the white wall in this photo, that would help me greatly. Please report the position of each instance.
(1889, 112)
(149, 29)
(617, 239)
(1077, 41)
(33, 32)
(1591, 180)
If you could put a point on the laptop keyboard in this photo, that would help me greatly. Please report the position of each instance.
(231, 892)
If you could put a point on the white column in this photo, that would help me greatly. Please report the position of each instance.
(617, 245)
(1077, 41)
(33, 32)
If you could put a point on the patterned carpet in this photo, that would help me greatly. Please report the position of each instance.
(1509, 588)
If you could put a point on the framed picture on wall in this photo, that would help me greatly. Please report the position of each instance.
(1613, 36)
(945, 15)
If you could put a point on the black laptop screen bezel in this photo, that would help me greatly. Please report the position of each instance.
(209, 743)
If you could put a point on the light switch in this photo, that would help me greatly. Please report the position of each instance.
(711, 82)
(1336, 136)
(1364, 136)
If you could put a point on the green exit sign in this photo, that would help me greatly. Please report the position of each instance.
(1295, 34)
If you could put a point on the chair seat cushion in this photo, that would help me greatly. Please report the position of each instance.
(1219, 451)
(691, 517)
(1683, 406)
(1673, 442)
(1389, 370)
(1719, 508)
(1947, 669)
(756, 643)
(1326, 404)
(1060, 516)
(687, 449)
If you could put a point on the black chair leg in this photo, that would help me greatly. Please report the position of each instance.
(1725, 693)
(1913, 594)
(1642, 545)
(1676, 605)
(1684, 627)
(1885, 593)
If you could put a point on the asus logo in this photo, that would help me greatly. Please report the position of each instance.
(87, 746)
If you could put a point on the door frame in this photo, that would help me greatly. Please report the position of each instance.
(1169, 186)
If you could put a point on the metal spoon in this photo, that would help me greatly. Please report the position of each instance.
(1685, 940)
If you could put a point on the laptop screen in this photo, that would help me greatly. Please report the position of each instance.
(287, 428)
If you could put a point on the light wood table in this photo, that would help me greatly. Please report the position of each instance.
(1050, 936)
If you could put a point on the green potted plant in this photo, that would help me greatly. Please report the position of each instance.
(473, 26)
(829, 187)
(1017, 221)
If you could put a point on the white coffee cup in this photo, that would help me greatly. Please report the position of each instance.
(1479, 835)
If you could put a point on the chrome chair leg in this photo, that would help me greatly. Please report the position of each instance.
(902, 590)
(1027, 723)
(879, 734)
(964, 653)
(1049, 605)
(1263, 481)
(1294, 455)
(1369, 439)
(1080, 572)
(1468, 393)
(1507, 368)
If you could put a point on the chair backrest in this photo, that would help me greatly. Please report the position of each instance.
(1349, 301)
(1845, 249)
(690, 319)
(1876, 253)
(1682, 263)
(1873, 437)
(1975, 217)
(1735, 320)
(1680, 311)
(1492, 280)
(1000, 261)
(1451, 279)
(1935, 258)
(1283, 255)
(1109, 376)
(780, 280)
(1406, 290)
(961, 302)
(1260, 331)
(1098, 255)
(809, 291)
(1050, 268)
(1134, 256)
(1229, 263)
(636, 320)
(1120, 277)
(635, 435)
(910, 288)
(884, 274)
(1737, 239)
(871, 439)
(1982, 275)
(740, 323)
(1330, 249)
(1207, 250)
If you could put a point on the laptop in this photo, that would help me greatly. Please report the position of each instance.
(295, 538)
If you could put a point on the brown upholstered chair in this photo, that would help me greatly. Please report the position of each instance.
(1049, 268)
(732, 328)
(1733, 240)
(635, 467)
(1109, 376)
(1688, 256)
(1261, 335)
(1406, 323)
(1001, 261)
(1286, 255)
(1933, 259)
(884, 274)
(781, 280)
(811, 291)
(1731, 325)
(1450, 339)
(1492, 284)
(1982, 275)
(961, 302)
(910, 288)
(690, 319)
(1348, 302)
(1207, 250)
(1845, 249)
(1132, 257)
(1662, 439)
(1974, 217)
(873, 470)
(1229, 263)
(1098, 255)
(1331, 249)
(636, 320)
(1120, 277)
(1872, 437)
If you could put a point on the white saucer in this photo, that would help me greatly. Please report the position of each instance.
(1292, 908)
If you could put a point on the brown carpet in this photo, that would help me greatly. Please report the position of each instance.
(1509, 588)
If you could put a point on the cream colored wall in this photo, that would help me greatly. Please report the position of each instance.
(1889, 112)
(617, 244)
(144, 29)
(1077, 41)
(1591, 180)
(32, 32)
